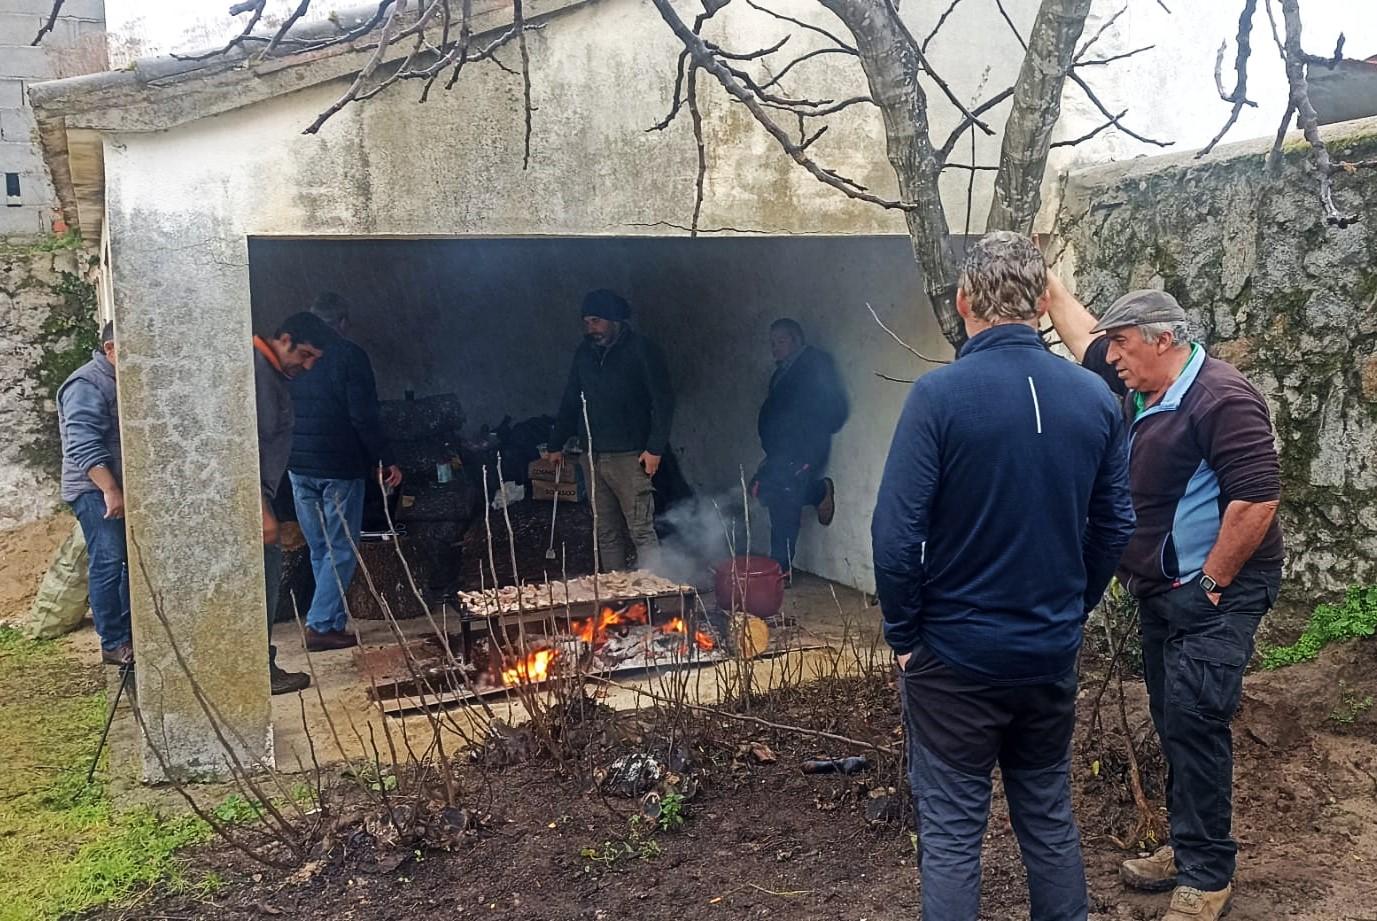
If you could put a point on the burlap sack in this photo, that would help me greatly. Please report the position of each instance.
(61, 602)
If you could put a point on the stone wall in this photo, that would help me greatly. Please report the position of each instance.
(1287, 298)
(47, 329)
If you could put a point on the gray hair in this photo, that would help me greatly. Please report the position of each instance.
(1180, 332)
(1003, 276)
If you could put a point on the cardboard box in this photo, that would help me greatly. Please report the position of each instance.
(544, 470)
(544, 491)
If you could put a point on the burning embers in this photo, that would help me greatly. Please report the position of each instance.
(615, 639)
(535, 668)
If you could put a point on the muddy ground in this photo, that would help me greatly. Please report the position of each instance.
(763, 840)
(766, 841)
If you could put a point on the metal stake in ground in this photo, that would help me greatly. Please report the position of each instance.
(559, 471)
(126, 670)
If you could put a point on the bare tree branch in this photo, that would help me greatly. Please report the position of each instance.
(1116, 120)
(1121, 56)
(738, 85)
(799, 60)
(1099, 33)
(1310, 122)
(799, 22)
(1239, 97)
(895, 336)
(945, 150)
(362, 79)
(941, 21)
(50, 24)
(745, 55)
(257, 7)
(1090, 134)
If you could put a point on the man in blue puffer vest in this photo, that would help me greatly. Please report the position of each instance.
(338, 441)
(1002, 513)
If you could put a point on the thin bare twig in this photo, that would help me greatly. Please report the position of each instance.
(895, 336)
(799, 22)
(950, 144)
(941, 21)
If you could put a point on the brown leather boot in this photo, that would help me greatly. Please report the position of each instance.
(1190, 904)
(1150, 874)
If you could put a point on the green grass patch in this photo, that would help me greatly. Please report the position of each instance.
(1355, 616)
(64, 847)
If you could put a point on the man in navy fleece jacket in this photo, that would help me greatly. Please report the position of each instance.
(1002, 514)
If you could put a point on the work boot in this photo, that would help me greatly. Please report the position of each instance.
(1190, 904)
(285, 682)
(120, 655)
(330, 639)
(828, 506)
(1150, 874)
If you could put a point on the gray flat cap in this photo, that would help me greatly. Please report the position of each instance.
(1139, 308)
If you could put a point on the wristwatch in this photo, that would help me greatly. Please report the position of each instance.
(1208, 584)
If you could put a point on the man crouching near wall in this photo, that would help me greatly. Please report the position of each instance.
(1204, 563)
(1002, 513)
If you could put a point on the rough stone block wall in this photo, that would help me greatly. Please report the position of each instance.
(1288, 299)
(45, 329)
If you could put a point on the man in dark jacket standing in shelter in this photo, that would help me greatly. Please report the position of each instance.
(805, 407)
(1204, 563)
(292, 351)
(623, 377)
(1003, 510)
(88, 422)
(337, 443)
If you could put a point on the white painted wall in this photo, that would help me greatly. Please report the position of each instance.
(602, 75)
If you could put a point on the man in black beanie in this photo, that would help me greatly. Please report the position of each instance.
(623, 377)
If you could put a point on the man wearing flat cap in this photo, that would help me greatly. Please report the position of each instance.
(623, 377)
(1204, 563)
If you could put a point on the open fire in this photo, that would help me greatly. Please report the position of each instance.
(613, 639)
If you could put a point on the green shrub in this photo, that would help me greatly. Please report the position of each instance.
(1356, 616)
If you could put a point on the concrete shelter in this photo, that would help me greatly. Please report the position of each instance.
(214, 212)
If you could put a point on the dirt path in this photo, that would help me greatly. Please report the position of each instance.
(25, 553)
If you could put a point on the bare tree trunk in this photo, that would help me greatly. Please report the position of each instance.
(891, 60)
(1037, 106)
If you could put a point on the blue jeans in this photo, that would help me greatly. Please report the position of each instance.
(330, 513)
(107, 570)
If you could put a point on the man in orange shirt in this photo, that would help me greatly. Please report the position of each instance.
(299, 341)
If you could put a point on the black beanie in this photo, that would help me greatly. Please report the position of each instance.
(609, 305)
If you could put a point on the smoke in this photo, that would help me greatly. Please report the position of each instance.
(699, 532)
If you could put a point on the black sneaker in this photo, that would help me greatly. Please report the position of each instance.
(285, 682)
(330, 639)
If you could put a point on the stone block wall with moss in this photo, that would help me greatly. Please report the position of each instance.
(47, 330)
(1274, 289)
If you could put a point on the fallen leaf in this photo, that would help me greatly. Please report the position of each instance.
(761, 753)
(265, 909)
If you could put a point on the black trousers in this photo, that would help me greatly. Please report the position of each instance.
(1194, 655)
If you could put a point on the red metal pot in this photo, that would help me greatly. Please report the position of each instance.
(754, 584)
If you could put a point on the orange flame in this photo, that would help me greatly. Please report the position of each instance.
(533, 669)
(677, 625)
(591, 629)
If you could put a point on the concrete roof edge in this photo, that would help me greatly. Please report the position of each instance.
(96, 99)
